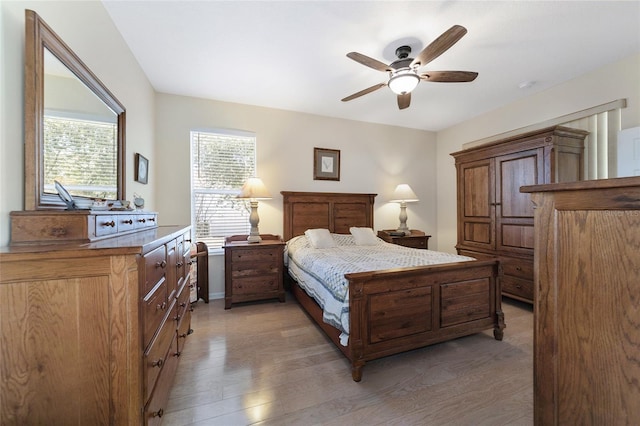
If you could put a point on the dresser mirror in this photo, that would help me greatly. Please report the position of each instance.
(74, 126)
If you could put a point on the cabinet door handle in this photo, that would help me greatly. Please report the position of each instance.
(159, 363)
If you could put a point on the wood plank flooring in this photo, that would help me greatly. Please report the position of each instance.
(267, 363)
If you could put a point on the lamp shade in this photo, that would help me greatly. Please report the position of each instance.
(404, 193)
(403, 82)
(254, 188)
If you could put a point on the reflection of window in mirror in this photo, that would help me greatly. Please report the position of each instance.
(80, 136)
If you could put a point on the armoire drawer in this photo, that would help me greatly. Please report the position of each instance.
(521, 288)
(520, 268)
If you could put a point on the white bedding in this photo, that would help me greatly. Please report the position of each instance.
(320, 272)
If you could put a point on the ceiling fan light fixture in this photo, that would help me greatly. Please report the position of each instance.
(403, 82)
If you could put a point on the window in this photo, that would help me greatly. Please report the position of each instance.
(87, 144)
(221, 161)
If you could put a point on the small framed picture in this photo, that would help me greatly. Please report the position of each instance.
(142, 169)
(326, 164)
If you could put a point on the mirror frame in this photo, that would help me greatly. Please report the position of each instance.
(38, 37)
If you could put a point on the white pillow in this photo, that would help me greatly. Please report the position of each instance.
(364, 236)
(320, 238)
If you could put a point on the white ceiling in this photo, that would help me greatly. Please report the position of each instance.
(291, 54)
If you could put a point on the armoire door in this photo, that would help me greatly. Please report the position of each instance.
(476, 201)
(514, 210)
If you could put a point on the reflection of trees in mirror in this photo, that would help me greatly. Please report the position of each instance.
(82, 155)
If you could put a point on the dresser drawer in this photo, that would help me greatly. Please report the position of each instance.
(155, 267)
(125, 223)
(184, 327)
(155, 356)
(156, 406)
(154, 307)
(145, 221)
(106, 225)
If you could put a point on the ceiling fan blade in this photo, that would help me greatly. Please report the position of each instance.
(364, 92)
(370, 62)
(439, 45)
(404, 100)
(449, 76)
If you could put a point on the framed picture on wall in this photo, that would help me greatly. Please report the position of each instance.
(142, 169)
(326, 164)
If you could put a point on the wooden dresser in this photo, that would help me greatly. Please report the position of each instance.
(494, 219)
(253, 271)
(91, 333)
(587, 303)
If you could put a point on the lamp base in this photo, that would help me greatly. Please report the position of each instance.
(254, 239)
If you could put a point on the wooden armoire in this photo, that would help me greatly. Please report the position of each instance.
(495, 220)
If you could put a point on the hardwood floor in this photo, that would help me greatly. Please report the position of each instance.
(269, 364)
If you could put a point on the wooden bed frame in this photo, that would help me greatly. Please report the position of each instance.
(400, 309)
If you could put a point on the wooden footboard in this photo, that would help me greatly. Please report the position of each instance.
(397, 310)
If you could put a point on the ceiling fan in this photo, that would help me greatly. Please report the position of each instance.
(403, 72)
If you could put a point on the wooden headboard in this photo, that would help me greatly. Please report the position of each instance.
(331, 210)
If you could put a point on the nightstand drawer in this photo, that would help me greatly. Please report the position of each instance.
(416, 239)
(255, 255)
(413, 242)
(255, 285)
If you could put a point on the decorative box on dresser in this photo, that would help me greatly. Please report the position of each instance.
(415, 238)
(495, 220)
(253, 271)
(587, 303)
(90, 333)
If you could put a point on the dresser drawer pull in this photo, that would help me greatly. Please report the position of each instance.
(158, 413)
(128, 222)
(180, 264)
(183, 304)
(177, 354)
(518, 268)
(162, 264)
(143, 220)
(183, 335)
(159, 363)
(111, 224)
(161, 306)
(177, 318)
(152, 219)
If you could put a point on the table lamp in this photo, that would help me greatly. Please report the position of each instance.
(254, 190)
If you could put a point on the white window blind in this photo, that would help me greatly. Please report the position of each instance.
(220, 164)
(82, 156)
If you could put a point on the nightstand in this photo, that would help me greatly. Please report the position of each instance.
(253, 271)
(417, 239)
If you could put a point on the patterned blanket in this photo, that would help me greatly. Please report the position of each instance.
(320, 272)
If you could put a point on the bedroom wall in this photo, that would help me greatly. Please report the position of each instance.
(374, 159)
(87, 28)
(608, 83)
